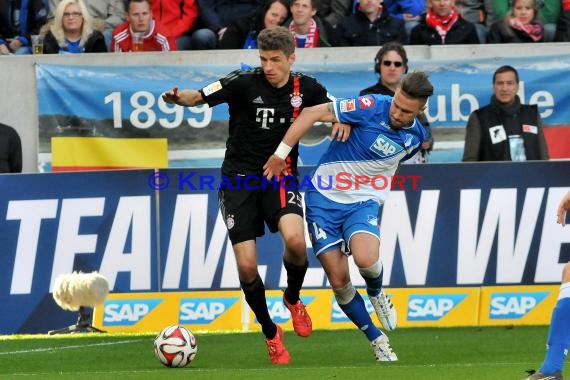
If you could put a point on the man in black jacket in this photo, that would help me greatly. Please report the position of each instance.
(442, 25)
(216, 16)
(10, 150)
(371, 25)
(505, 130)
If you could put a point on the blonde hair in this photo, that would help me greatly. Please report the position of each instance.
(57, 26)
(533, 3)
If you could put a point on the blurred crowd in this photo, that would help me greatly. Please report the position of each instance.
(78, 26)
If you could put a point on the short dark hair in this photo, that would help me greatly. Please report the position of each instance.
(387, 47)
(505, 69)
(417, 85)
(315, 4)
(129, 2)
(276, 38)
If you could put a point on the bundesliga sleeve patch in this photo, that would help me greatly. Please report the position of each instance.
(347, 105)
(365, 102)
(211, 88)
(530, 128)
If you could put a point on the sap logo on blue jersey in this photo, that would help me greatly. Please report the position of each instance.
(203, 310)
(514, 305)
(279, 312)
(385, 147)
(337, 315)
(432, 307)
(127, 312)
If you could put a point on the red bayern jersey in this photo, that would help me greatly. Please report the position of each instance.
(155, 40)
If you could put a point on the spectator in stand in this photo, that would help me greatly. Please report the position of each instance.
(10, 150)
(563, 24)
(520, 25)
(548, 12)
(505, 130)
(109, 12)
(333, 11)
(442, 25)
(140, 20)
(391, 64)
(242, 33)
(408, 11)
(216, 16)
(176, 18)
(17, 24)
(477, 12)
(370, 26)
(72, 31)
(307, 28)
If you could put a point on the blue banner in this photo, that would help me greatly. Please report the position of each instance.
(146, 231)
(124, 101)
(58, 223)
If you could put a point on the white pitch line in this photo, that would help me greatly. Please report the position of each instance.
(67, 347)
(244, 371)
(399, 365)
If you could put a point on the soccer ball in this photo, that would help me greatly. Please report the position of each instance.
(175, 346)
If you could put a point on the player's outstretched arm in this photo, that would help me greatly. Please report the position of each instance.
(562, 208)
(186, 98)
(275, 165)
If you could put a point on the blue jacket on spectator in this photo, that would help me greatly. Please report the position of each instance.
(29, 17)
(397, 8)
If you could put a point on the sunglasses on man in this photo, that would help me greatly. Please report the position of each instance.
(390, 63)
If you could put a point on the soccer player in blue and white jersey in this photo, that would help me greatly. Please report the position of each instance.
(351, 183)
(559, 333)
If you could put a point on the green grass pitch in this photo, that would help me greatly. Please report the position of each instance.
(424, 353)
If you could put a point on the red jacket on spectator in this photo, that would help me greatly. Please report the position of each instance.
(155, 40)
(175, 16)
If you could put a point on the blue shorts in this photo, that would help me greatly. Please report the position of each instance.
(332, 224)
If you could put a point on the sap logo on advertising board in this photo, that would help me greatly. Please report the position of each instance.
(337, 315)
(203, 310)
(279, 312)
(432, 307)
(514, 305)
(127, 312)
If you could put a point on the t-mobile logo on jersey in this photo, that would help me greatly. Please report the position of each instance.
(266, 116)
